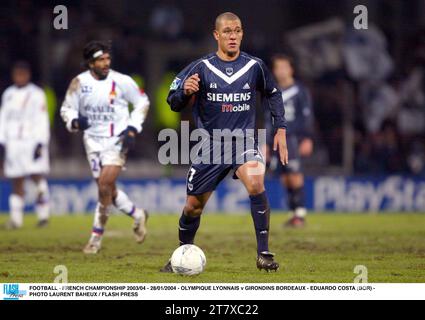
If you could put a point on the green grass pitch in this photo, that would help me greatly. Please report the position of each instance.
(391, 246)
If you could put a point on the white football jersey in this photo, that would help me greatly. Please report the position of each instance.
(105, 103)
(24, 116)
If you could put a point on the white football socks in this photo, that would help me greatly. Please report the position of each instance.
(101, 216)
(300, 212)
(16, 205)
(124, 204)
(42, 207)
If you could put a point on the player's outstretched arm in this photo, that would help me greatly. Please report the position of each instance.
(41, 119)
(2, 126)
(273, 97)
(41, 136)
(140, 102)
(306, 135)
(3, 120)
(69, 109)
(279, 143)
(2, 133)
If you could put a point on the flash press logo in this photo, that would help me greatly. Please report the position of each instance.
(11, 292)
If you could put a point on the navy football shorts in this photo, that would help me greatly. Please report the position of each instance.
(204, 177)
(294, 159)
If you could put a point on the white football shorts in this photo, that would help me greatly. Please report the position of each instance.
(20, 162)
(103, 151)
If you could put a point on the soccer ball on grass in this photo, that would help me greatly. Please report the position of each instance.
(188, 260)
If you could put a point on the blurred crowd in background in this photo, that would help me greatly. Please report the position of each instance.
(368, 86)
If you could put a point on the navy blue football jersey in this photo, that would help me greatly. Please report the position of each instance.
(298, 111)
(227, 95)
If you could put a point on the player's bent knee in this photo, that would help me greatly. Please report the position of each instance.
(255, 187)
(18, 186)
(193, 211)
(295, 181)
(105, 190)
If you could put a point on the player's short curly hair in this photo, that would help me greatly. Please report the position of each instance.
(95, 49)
(282, 56)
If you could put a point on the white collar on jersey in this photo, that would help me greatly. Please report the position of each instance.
(234, 77)
(289, 93)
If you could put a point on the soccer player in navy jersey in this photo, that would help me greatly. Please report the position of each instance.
(221, 90)
(299, 117)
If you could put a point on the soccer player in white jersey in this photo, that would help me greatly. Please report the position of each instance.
(97, 103)
(25, 134)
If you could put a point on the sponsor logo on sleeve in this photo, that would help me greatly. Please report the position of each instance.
(175, 84)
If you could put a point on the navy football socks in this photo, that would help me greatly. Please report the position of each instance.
(296, 198)
(260, 211)
(187, 228)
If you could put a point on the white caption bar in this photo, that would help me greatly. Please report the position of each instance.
(211, 291)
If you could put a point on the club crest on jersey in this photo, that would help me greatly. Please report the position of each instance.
(229, 71)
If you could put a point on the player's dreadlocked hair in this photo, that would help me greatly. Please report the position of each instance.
(95, 49)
